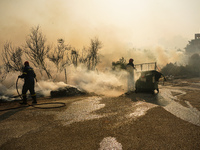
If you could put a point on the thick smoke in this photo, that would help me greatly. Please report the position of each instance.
(103, 80)
(104, 83)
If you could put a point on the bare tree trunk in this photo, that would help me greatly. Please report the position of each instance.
(65, 75)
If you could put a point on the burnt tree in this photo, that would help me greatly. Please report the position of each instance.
(12, 58)
(92, 57)
(74, 57)
(37, 50)
(60, 56)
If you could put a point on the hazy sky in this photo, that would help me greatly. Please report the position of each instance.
(117, 23)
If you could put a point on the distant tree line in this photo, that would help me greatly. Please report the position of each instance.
(192, 69)
(37, 52)
(193, 46)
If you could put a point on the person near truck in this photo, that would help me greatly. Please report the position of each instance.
(130, 79)
(158, 75)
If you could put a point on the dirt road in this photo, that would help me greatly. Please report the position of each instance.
(167, 120)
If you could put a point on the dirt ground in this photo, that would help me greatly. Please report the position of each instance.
(126, 122)
(192, 88)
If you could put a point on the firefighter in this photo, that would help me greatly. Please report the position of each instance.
(29, 83)
(157, 77)
(130, 68)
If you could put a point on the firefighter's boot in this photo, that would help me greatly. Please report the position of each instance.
(34, 100)
(24, 101)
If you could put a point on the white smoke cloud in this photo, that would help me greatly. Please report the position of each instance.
(106, 83)
(103, 81)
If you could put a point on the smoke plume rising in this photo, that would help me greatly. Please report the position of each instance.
(122, 27)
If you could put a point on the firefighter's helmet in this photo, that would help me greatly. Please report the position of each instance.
(131, 60)
(26, 63)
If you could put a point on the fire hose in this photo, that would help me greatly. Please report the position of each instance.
(17, 89)
(40, 106)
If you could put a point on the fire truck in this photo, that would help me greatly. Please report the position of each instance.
(149, 77)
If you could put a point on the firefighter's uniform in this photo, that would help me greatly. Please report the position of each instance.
(29, 83)
(130, 69)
